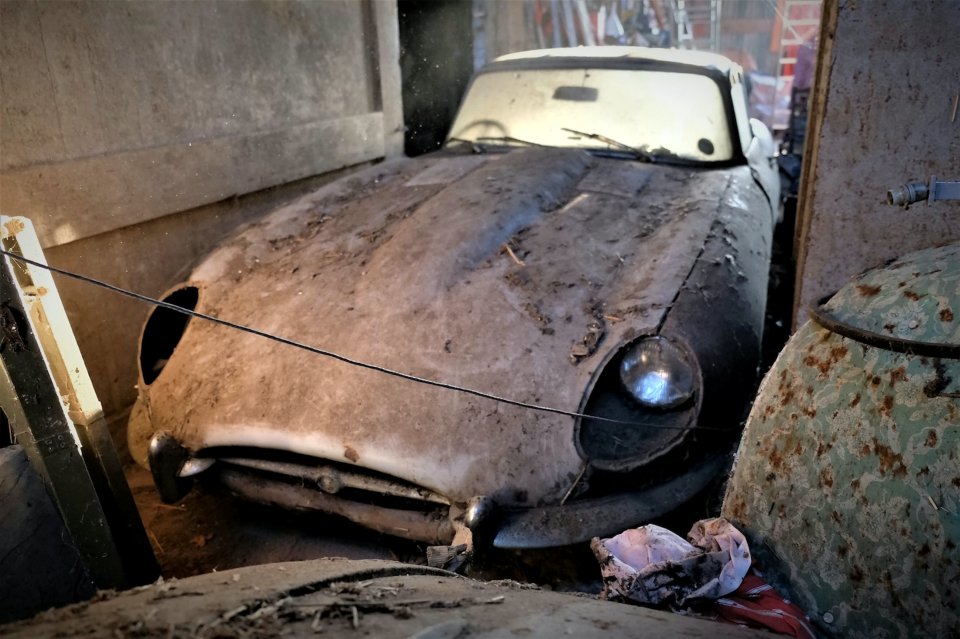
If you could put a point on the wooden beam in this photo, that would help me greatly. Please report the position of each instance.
(48, 397)
(815, 115)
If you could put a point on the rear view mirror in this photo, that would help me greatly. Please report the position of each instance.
(576, 94)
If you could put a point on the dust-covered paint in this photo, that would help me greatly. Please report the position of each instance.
(405, 265)
(848, 475)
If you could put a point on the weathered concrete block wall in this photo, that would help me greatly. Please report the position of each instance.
(883, 113)
(131, 132)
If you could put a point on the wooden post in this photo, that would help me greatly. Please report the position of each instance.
(47, 395)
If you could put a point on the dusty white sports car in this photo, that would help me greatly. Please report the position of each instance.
(592, 245)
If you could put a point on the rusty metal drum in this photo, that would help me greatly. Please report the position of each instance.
(847, 480)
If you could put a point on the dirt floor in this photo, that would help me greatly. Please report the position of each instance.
(341, 598)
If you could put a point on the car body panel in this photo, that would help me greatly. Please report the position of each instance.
(472, 316)
(763, 164)
(466, 310)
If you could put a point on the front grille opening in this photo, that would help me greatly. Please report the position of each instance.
(163, 331)
(304, 471)
(393, 502)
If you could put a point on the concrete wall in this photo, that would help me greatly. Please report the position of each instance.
(148, 258)
(883, 113)
(136, 134)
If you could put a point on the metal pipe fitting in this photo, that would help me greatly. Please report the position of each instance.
(908, 194)
(914, 192)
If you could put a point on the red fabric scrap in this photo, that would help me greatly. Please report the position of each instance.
(755, 603)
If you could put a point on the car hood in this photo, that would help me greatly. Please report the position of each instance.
(518, 274)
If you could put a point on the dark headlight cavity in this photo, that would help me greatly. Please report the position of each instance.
(163, 331)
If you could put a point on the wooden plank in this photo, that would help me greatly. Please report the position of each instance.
(817, 107)
(76, 199)
(56, 417)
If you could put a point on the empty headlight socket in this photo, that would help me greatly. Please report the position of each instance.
(163, 331)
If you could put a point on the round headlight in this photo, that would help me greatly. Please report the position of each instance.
(657, 373)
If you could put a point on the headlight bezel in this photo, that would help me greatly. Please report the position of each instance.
(634, 445)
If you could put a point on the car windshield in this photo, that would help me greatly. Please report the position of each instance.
(662, 113)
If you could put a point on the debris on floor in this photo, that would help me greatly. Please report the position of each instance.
(652, 565)
(711, 573)
(755, 603)
(339, 597)
(450, 558)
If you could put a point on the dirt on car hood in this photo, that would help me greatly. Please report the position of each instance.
(517, 274)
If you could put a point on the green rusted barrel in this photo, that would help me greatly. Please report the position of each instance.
(847, 481)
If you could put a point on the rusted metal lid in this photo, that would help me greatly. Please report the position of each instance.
(911, 305)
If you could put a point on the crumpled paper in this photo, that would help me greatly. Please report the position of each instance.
(652, 565)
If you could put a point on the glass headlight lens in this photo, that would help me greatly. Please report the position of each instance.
(657, 373)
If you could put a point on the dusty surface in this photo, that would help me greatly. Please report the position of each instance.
(417, 257)
(905, 128)
(848, 481)
(367, 598)
(211, 530)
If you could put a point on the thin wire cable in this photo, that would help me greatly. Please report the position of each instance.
(343, 358)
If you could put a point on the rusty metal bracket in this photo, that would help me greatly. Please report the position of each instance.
(48, 397)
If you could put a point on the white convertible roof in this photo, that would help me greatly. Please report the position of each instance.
(680, 56)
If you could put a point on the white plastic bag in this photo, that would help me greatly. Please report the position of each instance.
(652, 565)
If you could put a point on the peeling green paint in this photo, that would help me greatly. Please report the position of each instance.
(915, 298)
(847, 481)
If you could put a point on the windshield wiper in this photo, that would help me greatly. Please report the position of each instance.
(509, 138)
(639, 154)
(478, 145)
